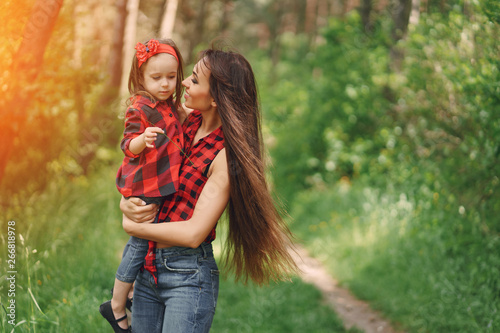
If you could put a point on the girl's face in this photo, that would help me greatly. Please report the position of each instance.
(160, 76)
(198, 89)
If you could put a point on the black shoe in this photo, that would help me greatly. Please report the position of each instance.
(128, 305)
(107, 313)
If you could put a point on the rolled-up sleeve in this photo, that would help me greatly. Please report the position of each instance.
(134, 126)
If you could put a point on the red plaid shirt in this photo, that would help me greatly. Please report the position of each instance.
(192, 179)
(155, 171)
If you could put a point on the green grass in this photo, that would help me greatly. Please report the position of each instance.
(422, 260)
(283, 307)
(70, 248)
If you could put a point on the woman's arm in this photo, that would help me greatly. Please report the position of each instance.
(209, 207)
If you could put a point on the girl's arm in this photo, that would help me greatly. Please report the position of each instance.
(209, 207)
(144, 140)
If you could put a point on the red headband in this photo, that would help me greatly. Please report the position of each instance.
(152, 47)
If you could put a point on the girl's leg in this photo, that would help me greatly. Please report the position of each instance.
(119, 300)
(132, 259)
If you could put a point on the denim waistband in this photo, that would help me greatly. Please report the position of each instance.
(204, 249)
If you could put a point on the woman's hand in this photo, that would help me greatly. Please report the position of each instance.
(130, 226)
(136, 210)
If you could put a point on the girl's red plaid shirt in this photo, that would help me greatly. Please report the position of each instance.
(154, 173)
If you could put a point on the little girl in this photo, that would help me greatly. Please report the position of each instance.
(150, 169)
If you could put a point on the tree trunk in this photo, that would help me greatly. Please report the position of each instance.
(400, 17)
(197, 36)
(116, 57)
(415, 12)
(115, 61)
(310, 16)
(168, 20)
(129, 43)
(26, 66)
(322, 16)
(365, 12)
(225, 21)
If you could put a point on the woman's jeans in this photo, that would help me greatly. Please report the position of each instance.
(186, 295)
(132, 259)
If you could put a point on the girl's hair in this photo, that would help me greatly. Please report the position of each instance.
(258, 239)
(136, 77)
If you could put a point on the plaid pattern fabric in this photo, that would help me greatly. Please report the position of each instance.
(155, 171)
(192, 179)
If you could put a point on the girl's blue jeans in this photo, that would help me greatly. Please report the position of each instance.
(132, 259)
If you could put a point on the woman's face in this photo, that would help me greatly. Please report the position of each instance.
(198, 89)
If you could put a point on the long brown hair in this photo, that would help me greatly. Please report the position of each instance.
(258, 239)
(136, 77)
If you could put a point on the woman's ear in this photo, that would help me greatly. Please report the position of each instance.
(213, 104)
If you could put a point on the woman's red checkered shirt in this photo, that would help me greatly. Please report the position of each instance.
(192, 178)
(155, 171)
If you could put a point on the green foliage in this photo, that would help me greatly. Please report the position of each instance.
(328, 107)
(392, 179)
(448, 110)
(421, 259)
(491, 9)
(65, 126)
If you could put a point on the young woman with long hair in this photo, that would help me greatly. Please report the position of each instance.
(223, 168)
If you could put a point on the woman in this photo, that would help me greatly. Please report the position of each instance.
(177, 291)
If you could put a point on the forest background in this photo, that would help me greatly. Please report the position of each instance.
(382, 123)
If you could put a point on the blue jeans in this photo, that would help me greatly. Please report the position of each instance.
(186, 295)
(132, 259)
(135, 251)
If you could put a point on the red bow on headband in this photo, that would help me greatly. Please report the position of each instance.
(152, 47)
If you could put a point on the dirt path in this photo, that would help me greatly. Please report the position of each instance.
(352, 311)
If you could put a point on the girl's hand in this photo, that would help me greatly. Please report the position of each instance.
(136, 210)
(150, 134)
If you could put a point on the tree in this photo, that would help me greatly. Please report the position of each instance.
(116, 57)
(25, 68)
(400, 17)
(168, 20)
(108, 96)
(365, 12)
(129, 41)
